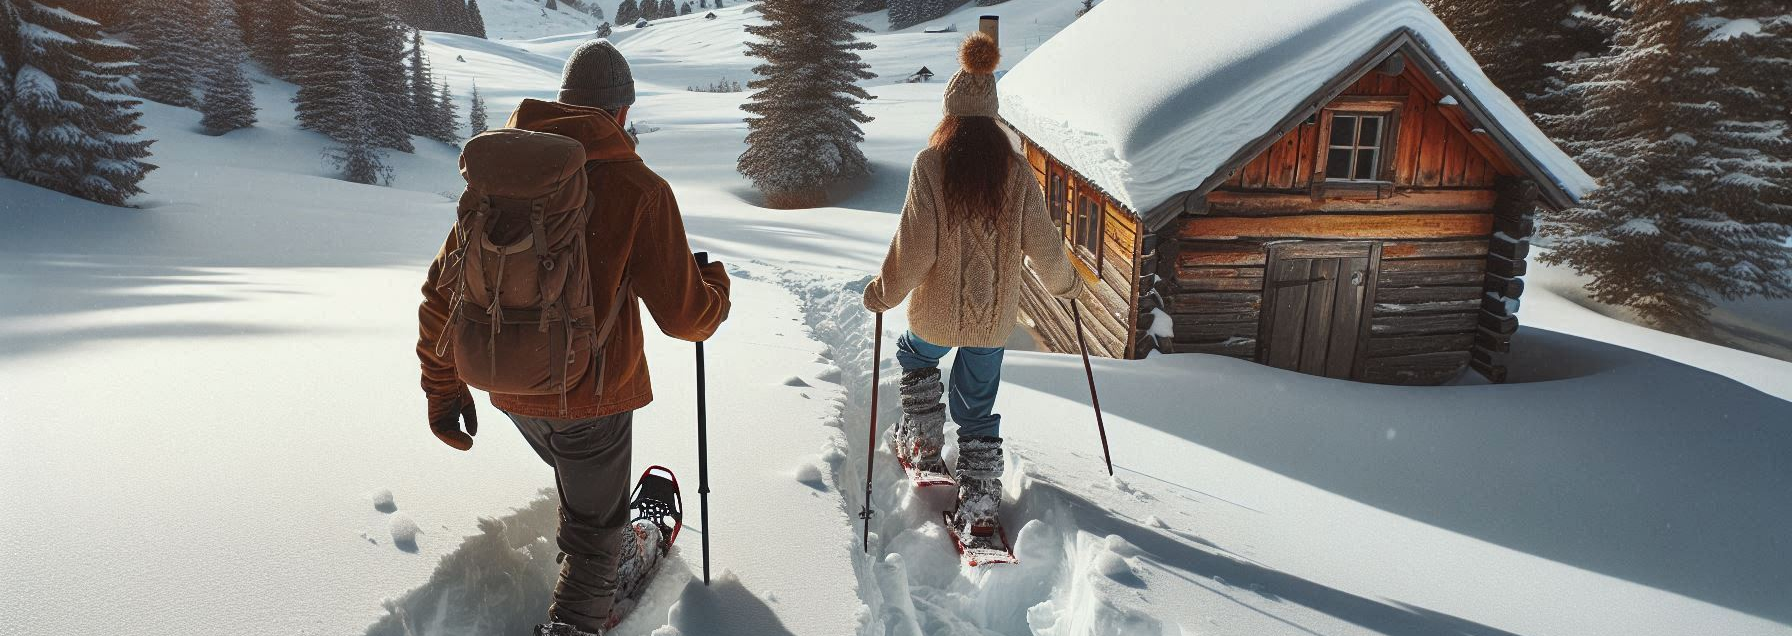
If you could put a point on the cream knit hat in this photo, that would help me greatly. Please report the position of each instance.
(972, 91)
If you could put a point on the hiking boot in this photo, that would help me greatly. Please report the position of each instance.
(921, 433)
(979, 486)
(562, 629)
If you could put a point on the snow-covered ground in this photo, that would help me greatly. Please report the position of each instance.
(209, 423)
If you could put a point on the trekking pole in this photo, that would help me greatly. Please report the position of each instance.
(1076, 316)
(877, 347)
(703, 443)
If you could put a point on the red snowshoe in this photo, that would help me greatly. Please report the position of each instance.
(657, 509)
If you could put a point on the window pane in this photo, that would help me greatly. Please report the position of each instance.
(1337, 164)
(1365, 164)
(1370, 135)
(1343, 129)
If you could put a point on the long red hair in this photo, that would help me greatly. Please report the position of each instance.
(977, 160)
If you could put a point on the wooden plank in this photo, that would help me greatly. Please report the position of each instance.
(1410, 345)
(1431, 150)
(1504, 325)
(1455, 160)
(1235, 347)
(1215, 303)
(1496, 342)
(1502, 286)
(1494, 373)
(1432, 265)
(1340, 226)
(1425, 324)
(1321, 301)
(1420, 369)
(1347, 315)
(1307, 144)
(1273, 160)
(1406, 149)
(1255, 171)
(1499, 306)
(1512, 250)
(1437, 307)
(1288, 309)
(1210, 253)
(1431, 272)
(1321, 249)
(1506, 267)
(1223, 203)
(1515, 226)
(1428, 294)
(1479, 172)
(1198, 328)
(1433, 249)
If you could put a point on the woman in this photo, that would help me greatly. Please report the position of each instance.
(973, 213)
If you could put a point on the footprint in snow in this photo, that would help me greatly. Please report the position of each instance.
(382, 501)
(404, 533)
(795, 381)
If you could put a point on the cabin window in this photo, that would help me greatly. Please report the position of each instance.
(1055, 195)
(1086, 229)
(1354, 150)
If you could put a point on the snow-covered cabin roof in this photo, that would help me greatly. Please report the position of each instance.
(1149, 99)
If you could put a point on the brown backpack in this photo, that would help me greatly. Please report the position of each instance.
(522, 320)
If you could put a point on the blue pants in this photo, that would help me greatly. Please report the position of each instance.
(971, 392)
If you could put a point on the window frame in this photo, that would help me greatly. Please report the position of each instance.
(1388, 138)
(1090, 228)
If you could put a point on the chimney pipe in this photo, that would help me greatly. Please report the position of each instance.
(991, 25)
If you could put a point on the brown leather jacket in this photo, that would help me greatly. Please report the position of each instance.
(635, 225)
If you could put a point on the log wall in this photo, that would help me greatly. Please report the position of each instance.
(1111, 313)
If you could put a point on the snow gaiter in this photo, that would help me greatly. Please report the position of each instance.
(979, 485)
(922, 431)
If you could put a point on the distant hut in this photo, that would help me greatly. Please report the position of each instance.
(923, 75)
(641, 23)
(709, 16)
(1336, 190)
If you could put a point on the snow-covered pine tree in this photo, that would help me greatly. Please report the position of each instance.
(66, 124)
(476, 112)
(271, 35)
(445, 118)
(718, 4)
(1684, 122)
(627, 12)
(171, 40)
(668, 9)
(229, 101)
(604, 30)
(420, 93)
(1517, 41)
(332, 33)
(552, 6)
(596, 10)
(804, 133)
(356, 154)
(869, 6)
(985, 3)
(903, 13)
(684, 9)
(703, 4)
(476, 19)
(1087, 6)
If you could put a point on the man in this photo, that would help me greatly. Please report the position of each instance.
(634, 229)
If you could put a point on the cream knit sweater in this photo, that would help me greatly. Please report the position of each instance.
(966, 282)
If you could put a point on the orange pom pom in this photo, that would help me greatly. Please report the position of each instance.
(979, 54)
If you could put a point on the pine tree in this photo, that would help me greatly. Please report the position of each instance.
(332, 34)
(1088, 5)
(627, 12)
(420, 93)
(718, 4)
(64, 123)
(552, 6)
(668, 9)
(477, 19)
(356, 154)
(650, 10)
(447, 117)
(1684, 124)
(229, 101)
(703, 4)
(804, 133)
(170, 37)
(684, 9)
(1517, 41)
(904, 13)
(604, 30)
(596, 11)
(271, 35)
(871, 6)
(476, 113)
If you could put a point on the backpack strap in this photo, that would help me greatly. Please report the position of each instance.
(624, 294)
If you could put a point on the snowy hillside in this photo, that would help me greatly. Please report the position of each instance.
(524, 19)
(211, 420)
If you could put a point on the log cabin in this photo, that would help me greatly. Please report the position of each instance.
(1330, 188)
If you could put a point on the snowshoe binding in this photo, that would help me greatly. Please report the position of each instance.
(919, 436)
(976, 526)
(657, 510)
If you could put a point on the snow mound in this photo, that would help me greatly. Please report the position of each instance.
(383, 502)
(404, 532)
(1151, 116)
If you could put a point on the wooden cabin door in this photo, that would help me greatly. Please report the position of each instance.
(1317, 306)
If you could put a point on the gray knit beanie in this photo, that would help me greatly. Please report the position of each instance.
(597, 76)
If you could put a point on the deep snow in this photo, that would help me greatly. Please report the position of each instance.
(210, 419)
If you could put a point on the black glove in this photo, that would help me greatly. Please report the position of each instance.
(445, 414)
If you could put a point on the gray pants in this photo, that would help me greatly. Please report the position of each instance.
(591, 468)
